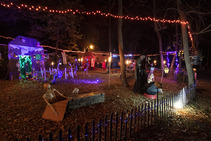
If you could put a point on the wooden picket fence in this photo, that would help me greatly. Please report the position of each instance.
(126, 124)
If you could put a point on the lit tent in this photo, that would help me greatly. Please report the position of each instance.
(25, 57)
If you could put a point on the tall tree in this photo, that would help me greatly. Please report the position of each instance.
(120, 44)
(185, 45)
(157, 30)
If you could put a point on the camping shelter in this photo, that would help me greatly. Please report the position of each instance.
(25, 57)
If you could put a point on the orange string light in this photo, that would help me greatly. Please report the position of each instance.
(46, 9)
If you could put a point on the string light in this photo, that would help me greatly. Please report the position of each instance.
(46, 9)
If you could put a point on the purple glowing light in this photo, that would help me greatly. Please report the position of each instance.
(90, 81)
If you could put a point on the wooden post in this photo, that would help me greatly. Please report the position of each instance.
(78, 133)
(86, 132)
(135, 114)
(105, 128)
(111, 127)
(100, 130)
(131, 122)
(121, 121)
(93, 130)
(60, 135)
(126, 118)
(69, 134)
(138, 117)
(116, 127)
(40, 138)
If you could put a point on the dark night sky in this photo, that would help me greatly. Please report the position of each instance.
(139, 36)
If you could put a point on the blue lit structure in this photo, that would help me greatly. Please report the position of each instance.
(25, 55)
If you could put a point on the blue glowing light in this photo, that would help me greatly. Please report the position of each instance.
(114, 55)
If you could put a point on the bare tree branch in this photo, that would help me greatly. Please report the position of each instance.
(205, 30)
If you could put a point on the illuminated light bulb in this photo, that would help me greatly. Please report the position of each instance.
(109, 59)
(11, 3)
(8, 5)
(52, 63)
(19, 7)
(105, 60)
(21, 4)
(36, 9)
(73, 12)
(32, 6)
(46, 7)
(155, 61)
(79, 59)
(178, 105)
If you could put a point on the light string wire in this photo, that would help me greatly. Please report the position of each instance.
(97, 12)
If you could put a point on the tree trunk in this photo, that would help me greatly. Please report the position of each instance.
(159, 40)
(120, 44)
(185, 45)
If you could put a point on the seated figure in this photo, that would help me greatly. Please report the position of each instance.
(153, 90)
(50, 94)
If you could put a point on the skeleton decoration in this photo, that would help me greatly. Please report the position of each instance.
(151, 77)
(75, 65)
(71, 71)
(76, 90)
(65, 73)
(86, 68)
(53, 76)
(50, 95)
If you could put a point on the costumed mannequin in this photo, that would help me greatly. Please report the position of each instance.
(141, 76)
(151, 77)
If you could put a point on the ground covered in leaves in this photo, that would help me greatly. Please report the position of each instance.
(191, 123)
(22, 104)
